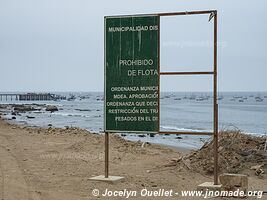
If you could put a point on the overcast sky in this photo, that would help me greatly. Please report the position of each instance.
(57, 45)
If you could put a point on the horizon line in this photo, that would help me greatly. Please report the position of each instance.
(71, 91)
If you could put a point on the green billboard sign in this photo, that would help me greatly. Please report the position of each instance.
(132, 74)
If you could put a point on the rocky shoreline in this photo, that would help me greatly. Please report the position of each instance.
(30, 115)
(17, 109)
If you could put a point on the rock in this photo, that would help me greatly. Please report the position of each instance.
(144, 144)
(30, 117)
(232, 182)
(13, 118)
(208, 186)
(141, 136)
(25, 108)
(83, 110)
(51, 108)
(49, 125)
(179, 138)
(256, 167)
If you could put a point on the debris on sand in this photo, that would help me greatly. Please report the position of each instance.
(237, 152)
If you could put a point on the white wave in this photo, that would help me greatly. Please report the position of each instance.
(255, 134)
(183, 129)
(71, 114)
(174, 128)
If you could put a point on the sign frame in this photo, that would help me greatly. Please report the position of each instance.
(212, 15)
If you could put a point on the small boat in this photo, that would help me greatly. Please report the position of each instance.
(200, 99)
(30, 117)
(259, 100)
(71, 98)
(237, 97)
(192, 98)
(220, 98)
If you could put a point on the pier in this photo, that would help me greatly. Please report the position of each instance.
(31, 97)
(9, 96)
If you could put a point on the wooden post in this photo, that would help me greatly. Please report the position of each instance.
(215, 104)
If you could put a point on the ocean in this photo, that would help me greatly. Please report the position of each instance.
(179, 111)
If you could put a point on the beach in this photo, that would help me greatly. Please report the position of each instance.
(57, 163)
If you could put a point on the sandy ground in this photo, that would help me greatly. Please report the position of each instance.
(56, 164)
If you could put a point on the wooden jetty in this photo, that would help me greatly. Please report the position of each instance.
(31, 97)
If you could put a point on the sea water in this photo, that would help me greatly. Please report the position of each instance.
(179, 111)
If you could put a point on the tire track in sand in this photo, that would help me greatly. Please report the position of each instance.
(13, 183)
(1, 182)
